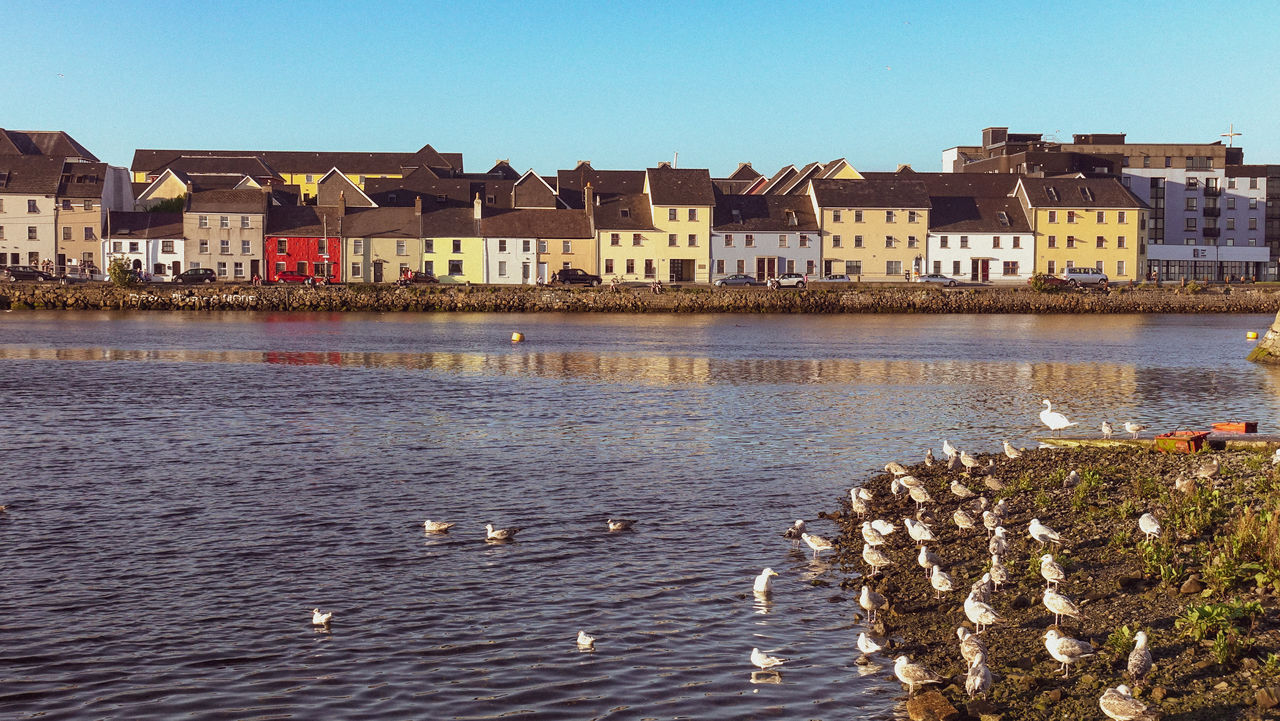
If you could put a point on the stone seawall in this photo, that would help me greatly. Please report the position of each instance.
(525, 299)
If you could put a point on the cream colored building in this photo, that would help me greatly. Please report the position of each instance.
(873, 229)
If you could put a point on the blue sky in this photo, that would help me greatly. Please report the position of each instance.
(627, 85)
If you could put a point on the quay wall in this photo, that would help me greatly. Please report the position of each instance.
(528, 299)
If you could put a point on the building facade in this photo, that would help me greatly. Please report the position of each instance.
(873, 229)
(1085, 222)
(225, 230)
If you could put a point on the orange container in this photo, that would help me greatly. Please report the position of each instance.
(1181, 442)
(1236, 427)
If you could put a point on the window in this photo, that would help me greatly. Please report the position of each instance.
(1192, 182)
(1052, 268)
(402, 247)
(246, 247)
(650, 270)
(1253, 224)
(31, 207)
(455, 267)
(159, 269)
(133, 246)
(429, 245)
(937, 267)
(429, 266)
(244, 221)
(912, 242)
(888, 216)
(204, 221)
(857, 241)
(995, 242)
(624, 212)
(117, 246)
(1231, 183)
(693, 213)
(1231, 223)
(857, 216)
(955, 267)
(502, 245)
(1253, 203)
(1102, 216)
(719, 267)
(66, 204)
(890, 242)
(310, 178)
(224, 222)
(357, 273)
(809, 267)
(1010, 267)
(1053, 216)
(1017, 241)
(782, 241)
(357, 246)
(964, 241)
(166, 246)
(66, 232)
(1071, 214)
(279, 266)
(224, 247)
(222, 270)
(615, 239)
(1253, 183)
(237, 270)
(524, 244)
(88, 205)
(1191, 224)
(742, 266)
(1121, 242)
(631, 266)
(322, 245)
(1098, 265)
(542, 246)
(804, 241)
(635, 239)
(835, 216)
(1231, 203)
(1119, 267)
(282, 246)
(853, 267)
(1168, 162)
(728, 240)
(1120, 217)
(672, 240)
(749, 241)
(693, 240)
(893, 267)
(1192, 203)
(608, 266)
(671, 214)
(566, 246)
(913, 216)
(1101, 241)
(1146, 161)
(204, 245)
(944, 241)
(502, 268)
(457, 246)
(835, 241)
(1071, 241)
(1053, 241)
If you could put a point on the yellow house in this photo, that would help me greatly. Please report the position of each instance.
(625, 237)
(681, 203)
(873, 229)
(1085, 222)
(453, 248)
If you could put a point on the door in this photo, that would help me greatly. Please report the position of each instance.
(255, 268)
(985, 270)
(766, 268)
(176, 268)
(979, 270)
(377, 271)
(524, 273)
(542, 271)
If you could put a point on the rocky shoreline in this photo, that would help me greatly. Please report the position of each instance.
(844, 298)
(1205, 591)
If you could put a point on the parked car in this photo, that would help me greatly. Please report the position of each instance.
(735, 279)
(24, 272)
(195, 275)
(1083, 276)
(293, 276)
(418, 276)
(791, 280)
(1044, 279)
(837, 279)
(575, 276)
(936, 278)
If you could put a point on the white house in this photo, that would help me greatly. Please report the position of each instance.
(977, 231)
(151, 243)
(765, 236)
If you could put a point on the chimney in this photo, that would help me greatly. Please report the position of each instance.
(477, 207)
(589, 198)
(342, 203)
(417, 205)
(190, 188)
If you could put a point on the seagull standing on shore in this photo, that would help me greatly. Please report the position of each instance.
(1051, 571)
(1208, 469)
(920, 496)
(870, 601)
(871, 535)
(1119, 704)
(982, 588)
(979, 613)
(895, 468)
(1011, 452)
(928, 457)
(763, 585)
(927, 560)
(1043, 534)
(968, 461)
(1149, 526)
(1059, 605)
(884, 527)
(764, 661)
(1053, 419)
(961, 491)
(875, 558)
(990, 521)
(817, 543)
(999, 574)
(1066, 650)
(963, 520)
(998, 545)
(1072, 480)
(1140, 657)
(941, 581)
(919, 532)
(948, 449)
(953, 463)
(978, 680)
(1107, 430)
(970, 645)
(1133, 428)
(913, 674)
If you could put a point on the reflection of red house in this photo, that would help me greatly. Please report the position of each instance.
(306, 239)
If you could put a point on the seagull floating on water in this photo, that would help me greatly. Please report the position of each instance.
(1053, 419)
(499, 534)
(913, 674)
(764, 582)
(320, 619)
(817, 543)
(1133, 428)
(1149, 526)
(867, 644)
(1119, 704)
(764, 661)
(620, 524)
(1066, 650)
(585, 642)
(430, 526)
(1140, 657)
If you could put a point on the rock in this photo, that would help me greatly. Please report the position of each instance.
(1158, 694)
(1267, 697)
(1023, 682)
(862, 660)
(1191, 586)
(931, 706)
(1088, 680)
(1221, 686)
(1202, 664)
(1054, 696)
(1249, 663)
(980, 708)
(1127, 581)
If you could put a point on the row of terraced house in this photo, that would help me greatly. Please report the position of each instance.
(1001, 211)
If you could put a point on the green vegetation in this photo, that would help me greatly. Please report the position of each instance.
(1215, 619)
(170, 205)
(120, 274)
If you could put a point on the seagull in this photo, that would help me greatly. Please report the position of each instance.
(1275, 457)
(1185, 484)
(895, 468)
(764, 582)
(320, 619)
(963, 520)
(868, 645)
(978, 679)
(620, 524)
(1107, 430)
(913, 674)
(765, 661)
(875, 558)
(1055, 420)
(982, 588)
(968, 461)
(1119, 704)
(585, 642)
(884, 527)
(1072, 480)
(953, 463)
(999, 574)
(941, 581)
(817, 543)
(1149, 526)
(1131, 427)
(429, 526)
(948, 449)
(920, 496)
(1051, 571)
(1140, 657)
(979, 612)
(928, 457)
(927, 560)
(857, 504)
(797, 529)
(993, 483)
(871, 535)
(1208, 469)
(871, 602)
(910, 482)
(896, 487)
(959, 490)
(1059, 605)
(1001, 508)
(1066, 650)
(499, 534)
(919, 532)
(990, 521)
(970, 645)
(999, 543)
(1042, 533)
(1011, 452)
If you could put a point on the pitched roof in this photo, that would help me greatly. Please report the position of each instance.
(82, 180)
(503, 169)
(440, 192)
(977, 214)
(227, 201)
(537, 223)
(570, 183)
(304, 221)
(141, 224)
(744, 172)
(623, 212)
(335, 186)
(797, 180)
(308, 162)
(1078, 193)
(30, 174)
(870, 193)
(54, 143)
(746, 213)
(456, 222)
(680, 186)
(392, 222)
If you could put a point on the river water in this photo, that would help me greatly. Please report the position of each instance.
(184, 488)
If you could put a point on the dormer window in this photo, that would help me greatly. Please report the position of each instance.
(1087, 195)
(1003, 217)
(625, 212)
(737, 215)
(1052, 192)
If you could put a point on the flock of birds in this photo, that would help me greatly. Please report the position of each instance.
(1057, 422)
(976, 515)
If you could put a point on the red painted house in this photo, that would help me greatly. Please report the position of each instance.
(306, 239)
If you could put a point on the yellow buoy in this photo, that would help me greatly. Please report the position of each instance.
(518, 337)
(1251, 335)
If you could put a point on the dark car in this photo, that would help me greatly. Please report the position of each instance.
(195, 275)
(24, 272)
(293, 276)
(417, 276)
(735, 279)
(575, 276)
(791, 280)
